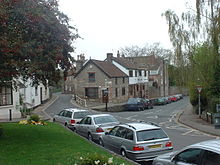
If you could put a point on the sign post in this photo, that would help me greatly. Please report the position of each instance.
(199, 89)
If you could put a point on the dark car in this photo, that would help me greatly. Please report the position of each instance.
(148, 103)
(135, 104)
(161, 101)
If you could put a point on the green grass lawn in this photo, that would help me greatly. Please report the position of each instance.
(45, 145)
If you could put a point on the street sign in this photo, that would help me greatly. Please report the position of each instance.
(199, 88)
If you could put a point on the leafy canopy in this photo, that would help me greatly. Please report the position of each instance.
(35, 41)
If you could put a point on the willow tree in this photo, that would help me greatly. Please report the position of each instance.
(35, 41)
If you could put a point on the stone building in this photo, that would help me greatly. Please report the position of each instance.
(101, 80)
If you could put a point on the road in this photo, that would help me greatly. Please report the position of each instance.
(164, 116)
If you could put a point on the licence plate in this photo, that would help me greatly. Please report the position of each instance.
(155, 146)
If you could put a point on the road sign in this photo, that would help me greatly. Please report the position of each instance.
(199, 88)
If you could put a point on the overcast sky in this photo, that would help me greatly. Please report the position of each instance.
(108, 25)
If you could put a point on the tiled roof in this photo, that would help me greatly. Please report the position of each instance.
(127, 63)
(110, 69)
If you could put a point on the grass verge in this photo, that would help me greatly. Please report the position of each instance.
(46, 145)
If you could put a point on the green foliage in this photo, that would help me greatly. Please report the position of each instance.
(35, 40)
(94, 159)
(34, 117)
(212, 104)
(1, 131)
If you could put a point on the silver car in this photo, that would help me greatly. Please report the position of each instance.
(203, 153)
(137, 141)
(93, 126)
(69, 117)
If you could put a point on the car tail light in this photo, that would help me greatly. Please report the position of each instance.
(99, 129)
(138, 148)
(72, 121)
(168, 144)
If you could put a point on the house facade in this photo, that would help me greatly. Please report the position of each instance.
(100, 81)
(9, 102)
(33, 96)
(23, 96)
(157, 67)
(138, 77)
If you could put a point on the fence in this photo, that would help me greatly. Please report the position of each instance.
(80, 101)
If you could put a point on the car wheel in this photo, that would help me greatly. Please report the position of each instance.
(90, 137)
(65, 124)
(101, 143)
(54, 120)
(123, 153)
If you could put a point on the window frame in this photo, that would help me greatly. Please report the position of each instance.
(91, 77)
(6, 95)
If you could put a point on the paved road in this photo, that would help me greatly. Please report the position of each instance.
(164, 116)
(180, 135)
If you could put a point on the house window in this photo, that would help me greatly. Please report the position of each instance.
(123, 91)
(116, 92)
(130, 73)
(145, 73)
(123, 80)
(36, 91)
(6, 95)
(135, 73)
(91, 93)
(91, 77)
(140, 74)
(116, 81)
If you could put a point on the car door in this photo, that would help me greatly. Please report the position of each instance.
(86, 127)
(80, 126)
(190, 156)
(107, 138)
(60, 116)
(210, 158)
(118, 139)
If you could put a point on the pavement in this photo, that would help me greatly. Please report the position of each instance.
(185, 117)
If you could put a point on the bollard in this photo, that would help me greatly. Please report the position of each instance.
(10, 115)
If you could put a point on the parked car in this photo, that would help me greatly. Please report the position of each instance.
(173, 98)
(161, 101)
(69, 117)
(203, 153)
(137, 141)
(135, 104)
(93, 126)
(148, 104)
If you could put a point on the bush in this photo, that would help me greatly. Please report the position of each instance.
(94, 159)
(1, 130)
(212, 104)
(34, 117)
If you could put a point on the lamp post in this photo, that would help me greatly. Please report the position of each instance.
(199, 89)
(106, 93)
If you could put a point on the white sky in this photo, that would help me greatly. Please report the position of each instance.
(108, 25)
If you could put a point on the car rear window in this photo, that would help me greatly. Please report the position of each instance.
(150, 134)
(133, 101)
(104, 119)
(79, 115)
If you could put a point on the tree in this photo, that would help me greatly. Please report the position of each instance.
(154, 49)
(35, 41)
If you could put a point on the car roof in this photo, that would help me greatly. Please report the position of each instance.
(97, 115)
(139, 126)
(213, 145)
(75, 109)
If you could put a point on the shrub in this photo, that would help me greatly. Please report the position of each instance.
(34, 117)
(96, 159)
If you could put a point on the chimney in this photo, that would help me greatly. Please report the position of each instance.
(118, 54)
(109, 57)
(80, 61)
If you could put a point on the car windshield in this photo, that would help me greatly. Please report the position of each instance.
(133, 101)
(104, 119)
(79, 115)
(150, 134)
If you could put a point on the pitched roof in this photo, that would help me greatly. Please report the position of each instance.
(127, 63)
(108, 68)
